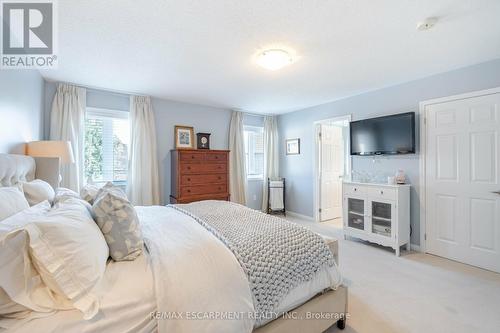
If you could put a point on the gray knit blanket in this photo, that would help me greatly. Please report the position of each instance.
(275, 254)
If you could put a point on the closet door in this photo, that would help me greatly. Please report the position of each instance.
(462, 180)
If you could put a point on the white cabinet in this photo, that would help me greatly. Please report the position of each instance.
(378, 213)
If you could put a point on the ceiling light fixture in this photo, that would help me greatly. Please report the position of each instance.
(274, 59)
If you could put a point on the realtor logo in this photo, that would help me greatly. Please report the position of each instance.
(28, 34)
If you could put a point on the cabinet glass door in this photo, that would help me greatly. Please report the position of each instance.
(356, 213)
(381, 218)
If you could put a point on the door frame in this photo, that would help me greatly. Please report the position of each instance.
(423, 151)
(316, 173)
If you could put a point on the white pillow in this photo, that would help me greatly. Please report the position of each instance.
(89, 193)
(21, 287)
(12, 201)
(70, 253)
(37, 191)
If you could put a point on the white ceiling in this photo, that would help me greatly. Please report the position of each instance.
(201, 51)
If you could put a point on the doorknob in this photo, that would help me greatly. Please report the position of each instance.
(496, 192)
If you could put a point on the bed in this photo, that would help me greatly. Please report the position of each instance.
(207, 276)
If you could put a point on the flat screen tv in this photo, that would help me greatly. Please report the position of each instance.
(389, 135)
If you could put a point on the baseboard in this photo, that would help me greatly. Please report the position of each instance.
(300, 216)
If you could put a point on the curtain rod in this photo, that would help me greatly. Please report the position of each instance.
(254, 114)
(112, 91)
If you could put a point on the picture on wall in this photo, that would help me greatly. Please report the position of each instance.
(184, 137)
(293, 146)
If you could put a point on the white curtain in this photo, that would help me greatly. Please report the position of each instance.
(237, 167)
(67, 121)
(143, 183)
(271, 155)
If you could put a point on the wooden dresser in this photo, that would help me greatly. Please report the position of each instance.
(199, 174)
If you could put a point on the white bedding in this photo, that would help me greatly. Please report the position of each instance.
(127, 299)
(193, 272)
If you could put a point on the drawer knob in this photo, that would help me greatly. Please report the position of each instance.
(192, 156)
(216, 157)
(355, 189)
(220, 188)
(189, 168)
(189, 191)
(381, 192)
(219, 177)
(189, 179)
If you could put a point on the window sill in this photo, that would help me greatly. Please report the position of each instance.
(255, 179)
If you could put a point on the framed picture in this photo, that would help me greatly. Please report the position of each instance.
(293, 146)
(184, 137)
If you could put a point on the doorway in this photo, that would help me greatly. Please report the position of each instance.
(332, 164)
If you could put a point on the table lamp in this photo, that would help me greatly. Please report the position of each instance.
(59, 149)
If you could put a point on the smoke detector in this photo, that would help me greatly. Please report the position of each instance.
(427, 24)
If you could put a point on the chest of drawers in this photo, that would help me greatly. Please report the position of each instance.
(199, 175)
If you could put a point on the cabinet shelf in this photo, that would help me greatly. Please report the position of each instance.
(356, 213)
(381, 218)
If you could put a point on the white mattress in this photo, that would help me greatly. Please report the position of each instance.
(128, 299)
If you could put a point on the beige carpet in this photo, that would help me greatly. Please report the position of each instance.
(413, 293)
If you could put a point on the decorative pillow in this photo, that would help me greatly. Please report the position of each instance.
(12, 201)
(89, 193)
(119, 223)
(37, 191)
(69, 252)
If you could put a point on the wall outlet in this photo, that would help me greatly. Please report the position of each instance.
(254, 197)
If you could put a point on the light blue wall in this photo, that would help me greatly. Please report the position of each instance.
(167, 115)
(298, 169)
(202, 118)
(21, 109)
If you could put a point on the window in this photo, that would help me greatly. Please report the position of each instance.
(254, 151)
(107, 137)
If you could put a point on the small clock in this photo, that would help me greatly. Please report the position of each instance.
(203, 140)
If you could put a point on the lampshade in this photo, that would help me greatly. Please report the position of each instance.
(61, 149)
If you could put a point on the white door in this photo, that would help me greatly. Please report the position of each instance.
(331, 171)
(462, 180)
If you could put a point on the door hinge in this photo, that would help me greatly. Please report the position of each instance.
(319, 135)
(425, 120)
(319, 210)
(425, 236)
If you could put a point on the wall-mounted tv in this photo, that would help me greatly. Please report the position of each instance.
(388, 135)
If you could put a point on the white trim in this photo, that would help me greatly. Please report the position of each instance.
(107, 113)
(422, 148)
(300, 216)
(316, 173)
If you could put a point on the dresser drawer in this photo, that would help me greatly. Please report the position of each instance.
(382, 193)
(194, 168)
(216, 157)
(203, 179)
(192, 156)
(354, 189)
(203, 189)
